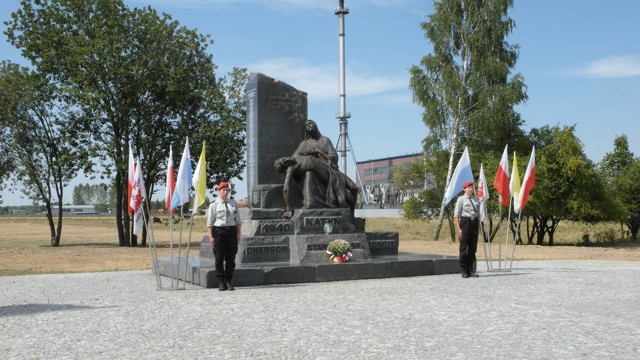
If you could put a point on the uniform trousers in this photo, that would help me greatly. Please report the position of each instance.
(225, 250)
(468, 243)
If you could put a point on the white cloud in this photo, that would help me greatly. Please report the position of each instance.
(612, 67)
(321, 81)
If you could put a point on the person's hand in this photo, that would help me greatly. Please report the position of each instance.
(212, 241)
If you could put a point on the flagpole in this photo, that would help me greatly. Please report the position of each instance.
(498, 233)
(506, 242)
(180, 250)
(515, 240)
(499, 183)
(485, 241)
(170, 224)
(152, 247)
(483, 203)
(186, 263)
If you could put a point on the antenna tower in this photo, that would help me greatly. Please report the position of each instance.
(341, 11)
(343, 116)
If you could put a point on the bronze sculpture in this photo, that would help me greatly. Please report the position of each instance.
(314, 164)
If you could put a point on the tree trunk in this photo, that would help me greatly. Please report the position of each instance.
(552, 229)
(452, 152)
(122, 211)
(541, 231)
(633, 226)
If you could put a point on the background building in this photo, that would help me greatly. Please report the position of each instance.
(375, 178)
(73, 210)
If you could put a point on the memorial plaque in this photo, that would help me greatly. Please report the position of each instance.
(259, 249)
(276, 115)
(383, 243)
(312, 248)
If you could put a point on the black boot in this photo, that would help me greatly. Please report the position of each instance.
(222, 286)
(472, 272)
(229, 286)
(464, 271)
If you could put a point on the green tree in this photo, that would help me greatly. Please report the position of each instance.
(568, 187)
(44, 153)
(136, 77)
(410, 176)
(621, 171)
(412, 209)
(99, 195)
(7, 164)
(465, 85)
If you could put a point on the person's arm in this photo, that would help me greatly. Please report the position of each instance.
(456, 220)
(211, 239)
(457, 212)
(238, 223)
(211, 218)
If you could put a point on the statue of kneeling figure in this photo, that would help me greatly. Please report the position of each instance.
(314, 164)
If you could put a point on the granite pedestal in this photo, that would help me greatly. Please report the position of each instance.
(285, 251)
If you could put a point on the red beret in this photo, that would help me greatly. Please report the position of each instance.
(468, 183)
(223, 185)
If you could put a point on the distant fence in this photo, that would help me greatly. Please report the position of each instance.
(377, 213)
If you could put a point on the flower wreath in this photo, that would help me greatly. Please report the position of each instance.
(340, 251)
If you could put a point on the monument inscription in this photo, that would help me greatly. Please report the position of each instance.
(276, 113)
(319, 221)
(276, 228)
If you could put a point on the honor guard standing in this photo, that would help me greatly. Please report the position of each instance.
(467, 220)
(224, 225)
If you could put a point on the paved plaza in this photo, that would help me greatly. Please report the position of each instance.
(539, 310)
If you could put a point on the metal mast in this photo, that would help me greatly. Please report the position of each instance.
(341, 11)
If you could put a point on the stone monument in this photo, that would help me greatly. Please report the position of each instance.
(299, 203)
(276, 112)
(298, 199)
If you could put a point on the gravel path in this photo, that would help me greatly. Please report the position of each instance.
(540, 310)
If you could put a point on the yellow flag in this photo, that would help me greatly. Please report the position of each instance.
(514, 185)
(200, 180)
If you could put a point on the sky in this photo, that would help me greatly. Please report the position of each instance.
(580, 60)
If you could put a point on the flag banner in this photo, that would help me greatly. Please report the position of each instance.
(200, 180)
(130, 178)
(171, 181)
(461, 174)
(137, 198)
(501, 182)
(483, 194)
(514, 185)
(183, 182)
(528, 182)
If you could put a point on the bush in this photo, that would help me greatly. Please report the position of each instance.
(607, 236)
(412, 209)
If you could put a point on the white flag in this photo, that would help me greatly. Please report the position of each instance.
(461, 175)
(184, 180)
(138, 195)
(483, 194)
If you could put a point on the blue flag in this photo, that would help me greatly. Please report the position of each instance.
(461, 175)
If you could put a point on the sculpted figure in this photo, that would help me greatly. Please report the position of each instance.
(315, 165)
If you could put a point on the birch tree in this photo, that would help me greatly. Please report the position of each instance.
(465, 84)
